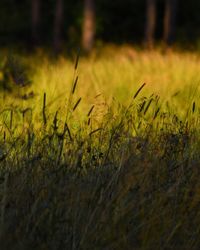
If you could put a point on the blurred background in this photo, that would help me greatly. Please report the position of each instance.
(66, 24)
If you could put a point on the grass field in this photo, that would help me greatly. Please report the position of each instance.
(109, 160)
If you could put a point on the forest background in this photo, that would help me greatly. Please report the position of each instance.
(62, 24)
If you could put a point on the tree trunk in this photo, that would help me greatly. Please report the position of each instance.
(170, 21)
(57, 40)
(35, 20)
(88, 32)
(150, 23)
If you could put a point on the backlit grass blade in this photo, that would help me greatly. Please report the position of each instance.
(77, 103)
(90, 111)
(138, 91)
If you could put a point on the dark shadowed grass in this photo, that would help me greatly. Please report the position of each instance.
(128, 181)
(113, 176)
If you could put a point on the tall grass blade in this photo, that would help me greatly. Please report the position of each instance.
(4, 136)
(55, 121)
(142, 106)
(77, 103)
(77, 60)
(148, 105)
(68, 131)
(11, 119)
(90, 111)
(156, 113)
(75, 84)
(138, 91)
(44, 110)
(94, 131)
(193, 107)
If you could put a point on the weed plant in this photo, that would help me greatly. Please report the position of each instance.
(115, 176)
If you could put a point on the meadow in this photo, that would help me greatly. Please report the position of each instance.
(100, 152)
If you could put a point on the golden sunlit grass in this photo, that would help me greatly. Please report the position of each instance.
(119, 73)
(116, 72)
(102, 161)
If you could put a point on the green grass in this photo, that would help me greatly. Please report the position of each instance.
(104, 162)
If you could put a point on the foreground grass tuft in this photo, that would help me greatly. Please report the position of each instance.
(112, 176)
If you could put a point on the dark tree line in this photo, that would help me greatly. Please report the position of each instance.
(88, 28)
(63, 22)
(89, 23)
(35, 20)
(169, 23)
